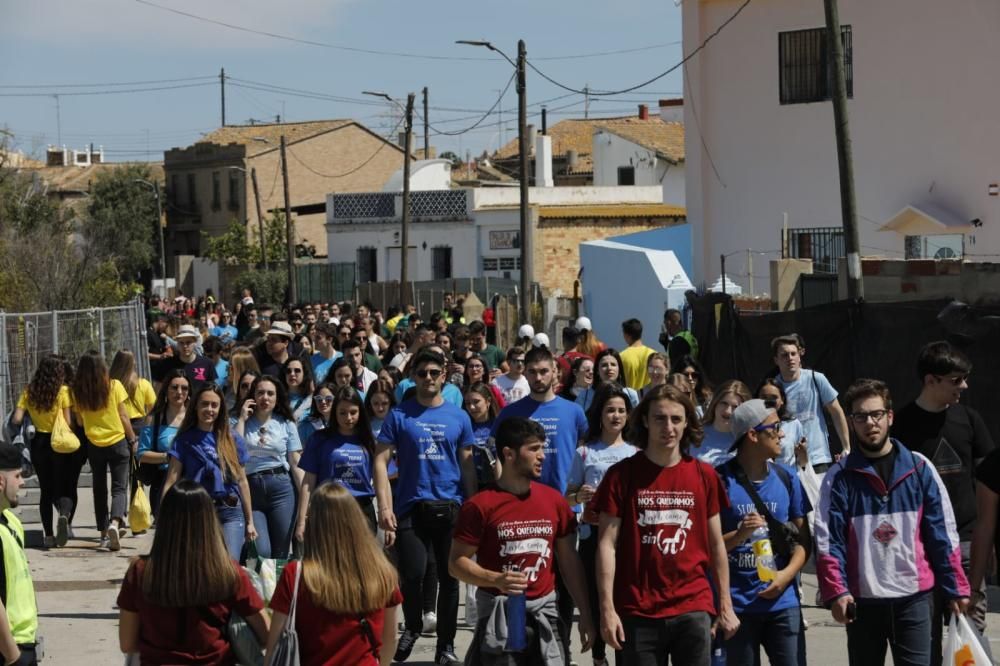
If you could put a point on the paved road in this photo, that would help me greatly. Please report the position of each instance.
(77, 587)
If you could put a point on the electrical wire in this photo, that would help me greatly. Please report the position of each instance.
(483, 118)
(107, 92)
(693, 53)
(384, 143)
(107, 85)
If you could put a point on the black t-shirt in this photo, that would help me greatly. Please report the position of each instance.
(198, 371)
(885, 464)
(953, 439)
(157, 345)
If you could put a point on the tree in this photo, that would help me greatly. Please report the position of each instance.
(456, 161)
(236, 247)
(121, 218)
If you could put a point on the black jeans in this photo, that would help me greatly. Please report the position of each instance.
(686, 639)
(75, 465)
(28, 656)
(56, 483)
(414, 540)
(903, 626)
(116, 459)
(564, 604)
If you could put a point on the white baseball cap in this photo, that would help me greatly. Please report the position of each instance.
(583, 324)
(526, 331)
(540, 340)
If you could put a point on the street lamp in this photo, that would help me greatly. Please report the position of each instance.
(260, 218)
(404, 239)
(527, 242)
(159, 226)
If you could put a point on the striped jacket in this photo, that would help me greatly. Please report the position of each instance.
(880, 544)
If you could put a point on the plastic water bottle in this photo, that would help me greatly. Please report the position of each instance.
(718, 650)
(761, 545)
(517, 627)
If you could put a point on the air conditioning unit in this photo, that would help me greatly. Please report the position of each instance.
(944, 246)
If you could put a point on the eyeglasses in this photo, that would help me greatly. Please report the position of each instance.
(691, 374)
(323, 399)
(519, 361)
(876, 415)
(180, 388)
(955, 381)
(294, 371)
(424, 374)
(776, 427)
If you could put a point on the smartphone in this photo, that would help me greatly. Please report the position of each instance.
(852, 611)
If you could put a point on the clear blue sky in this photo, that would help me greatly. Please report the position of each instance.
(51, 44)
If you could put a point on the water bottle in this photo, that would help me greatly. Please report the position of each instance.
(718, 650)
(517, 628)
(761, 545)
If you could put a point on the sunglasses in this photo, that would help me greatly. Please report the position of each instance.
(323, 399)
(294, 371)
(182, 388)
(955, 381)
(776, 427)
(433, 374)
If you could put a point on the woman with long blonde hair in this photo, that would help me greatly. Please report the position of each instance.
(241, 360)
(175, 602)
(141, 396)
(348, 591)
(206, 451)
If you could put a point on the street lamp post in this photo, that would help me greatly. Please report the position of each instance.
(526, 238)
(159, 227)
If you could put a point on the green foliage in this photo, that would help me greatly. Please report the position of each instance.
(456, 161)
(267, 286)
(236, 246)
(122, 217)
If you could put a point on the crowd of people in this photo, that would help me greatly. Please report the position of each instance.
(390, 459)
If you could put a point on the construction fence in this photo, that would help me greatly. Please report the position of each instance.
(27, 337)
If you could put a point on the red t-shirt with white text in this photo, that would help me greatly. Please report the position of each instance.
(327, 638)
(662, 559)
(510, 530)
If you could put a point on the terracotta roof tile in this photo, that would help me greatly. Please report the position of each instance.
(250, 135)
(70, 179)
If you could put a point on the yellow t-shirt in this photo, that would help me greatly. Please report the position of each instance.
(634, 366)
(142, 402)
(104, 427)
(45, 421)
(392, 323)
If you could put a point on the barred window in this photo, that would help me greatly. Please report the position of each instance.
(367, 269)
(441, 263)
(805, 69)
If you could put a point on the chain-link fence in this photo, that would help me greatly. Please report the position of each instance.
(27, 337)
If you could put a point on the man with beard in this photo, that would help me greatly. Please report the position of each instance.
(885, 539)
(504, 543)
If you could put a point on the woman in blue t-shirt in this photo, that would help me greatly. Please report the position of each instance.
(715, 446)
(319, 412)
(205, 451)
(794, 446)
(482, 408)
(156, 439)
(267, 425)
(342, 452)
(606, 446)
(298, 378)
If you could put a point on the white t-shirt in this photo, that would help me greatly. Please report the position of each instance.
(512, 389)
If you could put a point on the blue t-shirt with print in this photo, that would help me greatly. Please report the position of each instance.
(339, 458)
(427, 440)
(321, 366)
(744, 583)
(590, 463)
(449, 392)
(270, 443)
(714, 447)
(806, 398)
(224, 333)
(792, 432)
(199, 458)
(481, 432)
(565, 425)
(221, 373)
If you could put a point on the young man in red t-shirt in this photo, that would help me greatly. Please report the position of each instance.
(513, 531)
(660, 539)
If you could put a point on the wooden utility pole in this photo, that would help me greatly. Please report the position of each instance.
(404, 236)
(222, 88)
(427, 128)
(293, 295)
(750, 270)
(260, 217)
(845, 160)
(522, 148)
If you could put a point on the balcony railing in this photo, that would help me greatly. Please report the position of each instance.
(378, 207)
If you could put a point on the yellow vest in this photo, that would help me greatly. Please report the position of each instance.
(22, 613)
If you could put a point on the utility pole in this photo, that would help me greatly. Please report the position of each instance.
(499, 120)
(159, 229)
(222, 88)
(750, 269)
(522, 149)
(848, 204)
(427, 129)
(404, 236)
(722, 266)
(586, 101)
(293, 295)
(260, 217)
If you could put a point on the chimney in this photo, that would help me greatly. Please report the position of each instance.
(643, 112)
(543, 161)
(532, 134)
(571, 159)
(672, 110)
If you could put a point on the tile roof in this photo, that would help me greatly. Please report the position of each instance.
(624, 210)
(667, 139)
(250, 135)
(77, 179)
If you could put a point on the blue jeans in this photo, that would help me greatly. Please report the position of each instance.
(686, 639)
(905, 625)
(234, 527)
(779, 633)
(272, 497)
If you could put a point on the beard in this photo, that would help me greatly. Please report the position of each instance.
(873, 448)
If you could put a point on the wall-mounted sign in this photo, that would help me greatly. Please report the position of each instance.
(505, 240)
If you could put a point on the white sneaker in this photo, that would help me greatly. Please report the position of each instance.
(430, 622)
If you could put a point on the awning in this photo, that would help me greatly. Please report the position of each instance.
(927, 220)
(623, 210)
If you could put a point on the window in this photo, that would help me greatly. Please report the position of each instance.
(626, 175)
(175, 188)
(501, 264)
(192, 193)
(216, 191)
(491, 264)
(440, 263)
(366, 265)
(234, 189)
(805, 70)
(824, 245)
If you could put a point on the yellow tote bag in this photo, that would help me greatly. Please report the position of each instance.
(140, 513)
(63, 438)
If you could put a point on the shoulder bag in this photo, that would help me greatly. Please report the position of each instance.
(286, 650)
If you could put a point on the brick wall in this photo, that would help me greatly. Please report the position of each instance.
(557, 246)
(921, 279)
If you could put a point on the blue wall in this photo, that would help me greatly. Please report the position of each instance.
(676, 238)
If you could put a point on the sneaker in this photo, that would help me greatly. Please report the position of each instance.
(446, 657)
(122, 531)
(600, 662)
(430, 622)
(114, 540)
(49, 542)
(105, 543)
(405, 645)
(62, 531)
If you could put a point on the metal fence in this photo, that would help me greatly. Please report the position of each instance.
(428, 295)
(325, 282)
(27, 337)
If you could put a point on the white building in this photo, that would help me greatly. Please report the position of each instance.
(761, 145)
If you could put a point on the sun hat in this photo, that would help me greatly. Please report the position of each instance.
(282, 328)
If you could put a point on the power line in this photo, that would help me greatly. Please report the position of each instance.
(652, 80)
(483, 118)
(105, 85)
(107, 92)
(384, 143)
